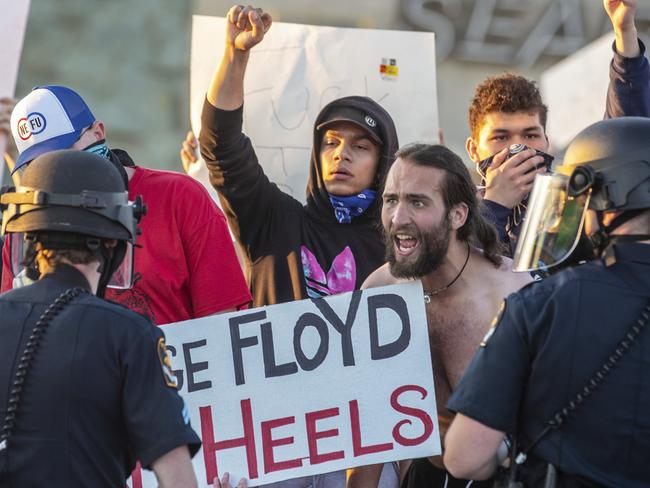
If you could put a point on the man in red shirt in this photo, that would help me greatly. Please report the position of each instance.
(185, 266)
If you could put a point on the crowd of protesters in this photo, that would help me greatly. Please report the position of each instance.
(376, 213)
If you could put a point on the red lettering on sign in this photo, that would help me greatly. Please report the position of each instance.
(357, 448)
(268, 443)
(313, 435)
(136, 476)
(210, 446)
(413, 412)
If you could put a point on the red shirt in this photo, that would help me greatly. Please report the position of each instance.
(185, 265)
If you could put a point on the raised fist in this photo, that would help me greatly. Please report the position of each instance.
(246, 27)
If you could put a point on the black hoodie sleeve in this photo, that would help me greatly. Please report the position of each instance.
(256, 208)
(628, 93)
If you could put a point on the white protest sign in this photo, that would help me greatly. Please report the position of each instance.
(307, 387)
(575, 90)
(12, 31)
(297, 69)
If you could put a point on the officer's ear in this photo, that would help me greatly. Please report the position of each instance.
(43, 258)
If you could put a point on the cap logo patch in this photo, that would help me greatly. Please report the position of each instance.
(34, 123)
(370, 121)
(166, 364)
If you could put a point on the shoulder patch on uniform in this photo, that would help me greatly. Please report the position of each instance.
(166, 364)
(493, 324)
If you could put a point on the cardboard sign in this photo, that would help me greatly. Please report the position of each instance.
(297, 69)
(307, 387)
(575, 90)
(12, 31)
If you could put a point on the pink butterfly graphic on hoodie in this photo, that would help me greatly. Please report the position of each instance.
(341, 277)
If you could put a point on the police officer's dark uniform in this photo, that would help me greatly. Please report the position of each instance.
(551, 336)
(98, 394)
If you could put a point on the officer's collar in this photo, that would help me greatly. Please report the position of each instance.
(68, 275)
(634, 252)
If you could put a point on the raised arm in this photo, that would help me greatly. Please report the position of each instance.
(245, 28)
(250, 200)
(622, 14)
(629, 87)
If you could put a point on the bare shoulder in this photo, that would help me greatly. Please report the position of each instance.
(509, 281)
(380, 277)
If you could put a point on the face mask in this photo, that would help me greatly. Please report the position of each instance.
(100, 149)
(484, 165)
(346, 208)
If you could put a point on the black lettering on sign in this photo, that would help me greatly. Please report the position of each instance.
(237, 342)
(397, 304)
(270, 368)
(343, 328)
(311, 320)
(192, 368)
(177, 372)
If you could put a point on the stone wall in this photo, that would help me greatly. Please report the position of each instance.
(128, 59)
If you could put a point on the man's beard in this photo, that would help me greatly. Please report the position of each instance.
(432, 244)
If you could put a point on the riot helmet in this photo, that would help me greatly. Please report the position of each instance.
(605, 168)
(72, 200)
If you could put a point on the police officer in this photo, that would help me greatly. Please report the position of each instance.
(565, 368)
(86, 387)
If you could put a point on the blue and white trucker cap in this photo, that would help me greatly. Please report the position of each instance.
(49, 118)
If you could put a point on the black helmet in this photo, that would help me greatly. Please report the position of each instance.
(72, 200)
(606, 168)
(71, 191)
(612, 157)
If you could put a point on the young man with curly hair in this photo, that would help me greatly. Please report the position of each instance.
(508, 109)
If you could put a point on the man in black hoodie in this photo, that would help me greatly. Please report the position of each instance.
(294, 251)
(331, 244)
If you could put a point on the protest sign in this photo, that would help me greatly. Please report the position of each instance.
(12, 30)
(575, 90)
(307, 387)
(298, 69)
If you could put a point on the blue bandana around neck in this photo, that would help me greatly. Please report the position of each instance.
(100, 148)
(345, 208)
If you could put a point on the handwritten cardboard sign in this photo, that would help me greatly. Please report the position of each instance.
(307, 387)
(297, 69)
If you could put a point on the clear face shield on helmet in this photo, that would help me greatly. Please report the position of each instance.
(86, 221)
(554, 219)
(121, 279)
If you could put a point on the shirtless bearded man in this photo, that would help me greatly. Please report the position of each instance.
(434, 232)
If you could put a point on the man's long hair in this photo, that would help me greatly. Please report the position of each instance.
(457, 187)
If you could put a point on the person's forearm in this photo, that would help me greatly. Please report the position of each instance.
(627, 42)
(227, 86)
(174, 469)
(364, 476)
(483, 472)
